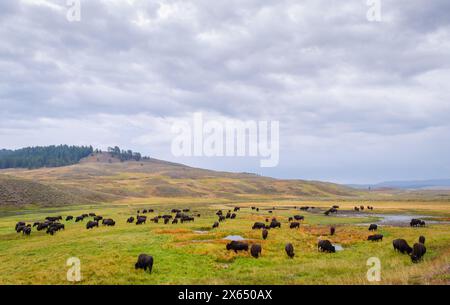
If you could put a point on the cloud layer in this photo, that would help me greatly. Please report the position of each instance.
(357, 101)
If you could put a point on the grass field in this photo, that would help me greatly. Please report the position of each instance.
(182, 256)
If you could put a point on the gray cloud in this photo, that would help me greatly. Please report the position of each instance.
(344, 90)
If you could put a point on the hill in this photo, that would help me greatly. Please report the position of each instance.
(16, 191)
(103, 177)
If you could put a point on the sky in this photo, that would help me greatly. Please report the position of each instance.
(357, 101)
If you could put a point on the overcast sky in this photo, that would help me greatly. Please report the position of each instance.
(357, 101)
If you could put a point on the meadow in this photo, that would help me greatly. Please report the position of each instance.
(193, 253)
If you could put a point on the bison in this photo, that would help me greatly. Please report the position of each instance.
(373, 227)
(422, 240)
(265, 233)
(332, 231)
(91, 224)
(255, 250)
(299, 217)
(326, 246)
(215, 225)
(275, 224)
(402, 246)
(376, 237)
(130, 220)
(79, 218)
(258, 225)
(289, 248)
(69, 218)
(418, 252)
(237, 246)
(141, 219)
(295, 225)
(98, 218)
(144, 262)
(108, 222)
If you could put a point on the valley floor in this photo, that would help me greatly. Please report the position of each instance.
(193, 253)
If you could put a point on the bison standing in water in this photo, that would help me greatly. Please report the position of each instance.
(255, 250)
(144, 262)
(402, 246)
(326, 246)
(418, 252)
(289, 248)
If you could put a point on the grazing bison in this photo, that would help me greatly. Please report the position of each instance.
(69, 218)
(332, 231)
(402, 246)
(141, 219)
(275, 224)
(258, 225)
(289, 250)
(373, 227)
(26, 231)
(255, 250)
(166, 220)
(237, 246)
(422, 240)
(215, 225)
(233, 216)
(98, 218)
(108, 222)
(335, 207)
(265, 233)
(92, 214)
(228, 215)
(175, 221)
(53, 218)
(361, 208)
(326, 246)
(130, 220)
(299, 217)
(79, 218)
(144, 262)
(295, 225)
(236, 209)
(290, 219)
(376, 237)
(221, 218)
(357, 209)
(186, 210)
(418, 252)
(91, 224)
(43, 225)
(20, 224)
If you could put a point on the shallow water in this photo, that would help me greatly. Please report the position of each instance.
(234, 237)
(338, 247)
(393, 219)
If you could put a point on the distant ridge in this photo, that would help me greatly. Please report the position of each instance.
(433, 184)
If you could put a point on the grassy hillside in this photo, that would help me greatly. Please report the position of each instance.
(18, 192)
(102, 177)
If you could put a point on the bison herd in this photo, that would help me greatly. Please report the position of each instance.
(52, 224)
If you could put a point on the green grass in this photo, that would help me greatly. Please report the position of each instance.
(181, 256)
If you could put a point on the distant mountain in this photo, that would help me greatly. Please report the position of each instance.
(435, 184)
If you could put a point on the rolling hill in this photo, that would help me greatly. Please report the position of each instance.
(102, 178)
